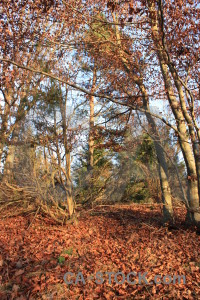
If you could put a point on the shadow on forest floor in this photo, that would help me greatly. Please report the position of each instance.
(107, 239)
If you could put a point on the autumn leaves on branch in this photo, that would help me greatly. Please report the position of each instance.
(134, 54)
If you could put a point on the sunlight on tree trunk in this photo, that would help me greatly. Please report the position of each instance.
(9, 164)
(70, 201)
(177, 110)
(91, 125)
(162, 165)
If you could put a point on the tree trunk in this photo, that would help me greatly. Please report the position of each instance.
(162, 164)
(9, 165)
(1, 151)
(178, 112)
(91, 128)
(69, 186)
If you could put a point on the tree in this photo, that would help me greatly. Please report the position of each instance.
(184, 116)
(132, 68)
(151, 47)
(60, 137)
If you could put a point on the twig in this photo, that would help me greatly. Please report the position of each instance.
(14, 188)
(37, 211)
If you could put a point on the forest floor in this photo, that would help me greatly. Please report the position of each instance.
(34, 259)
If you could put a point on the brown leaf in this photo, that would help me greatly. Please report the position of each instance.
(19, 272)
(1, 261)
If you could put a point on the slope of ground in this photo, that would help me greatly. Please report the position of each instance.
(124, 239)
